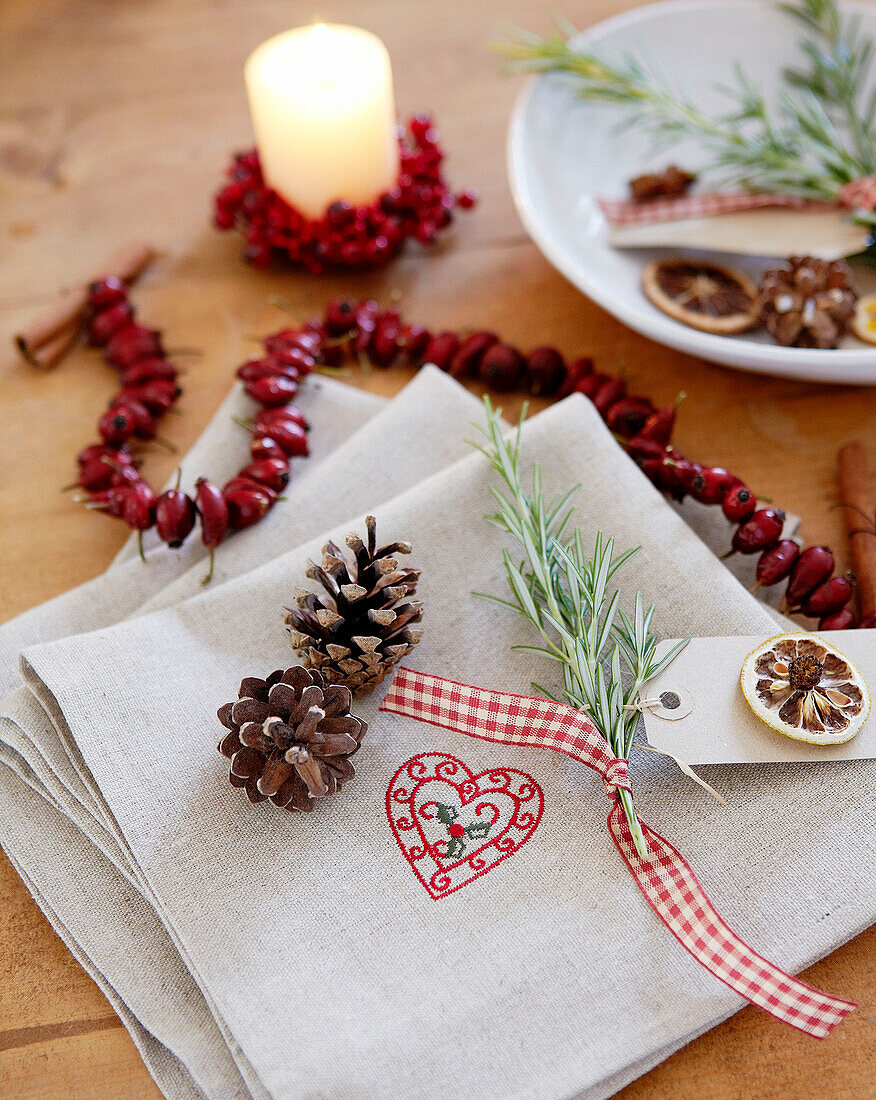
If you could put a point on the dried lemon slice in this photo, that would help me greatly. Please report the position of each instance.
(864, 321)
(805, 688)
(704, 295)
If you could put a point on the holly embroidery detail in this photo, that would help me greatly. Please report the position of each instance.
(453, 825)
(476, 830)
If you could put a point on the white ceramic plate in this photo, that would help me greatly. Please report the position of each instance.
(563, 153)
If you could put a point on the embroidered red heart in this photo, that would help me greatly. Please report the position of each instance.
(454, 826)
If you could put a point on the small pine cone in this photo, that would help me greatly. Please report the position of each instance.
(290, 738)
(808, 303)
(356, 633)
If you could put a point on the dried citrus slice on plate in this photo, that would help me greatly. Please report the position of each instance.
(806, 689)
(706, 296)
(864, 321)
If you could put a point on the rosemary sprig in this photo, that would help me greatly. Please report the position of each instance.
(607, 656)
(840, 58)
(809, 143)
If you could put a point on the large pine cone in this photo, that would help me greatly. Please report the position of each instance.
(808, 303)
(291, 737)
(361, 629)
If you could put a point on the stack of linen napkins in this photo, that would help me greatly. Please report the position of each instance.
(256, 953)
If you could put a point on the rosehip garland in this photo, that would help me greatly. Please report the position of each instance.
(379, 338)
(419, 206)
(109, 470)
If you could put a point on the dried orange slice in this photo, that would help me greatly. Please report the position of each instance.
(805, 688)
(703, 295)
(864, 321)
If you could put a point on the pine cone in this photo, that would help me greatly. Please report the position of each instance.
(809, 303)
(358, 632)
(291, 738)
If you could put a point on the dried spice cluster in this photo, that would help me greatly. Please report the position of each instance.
(354, 331)
(420, 206)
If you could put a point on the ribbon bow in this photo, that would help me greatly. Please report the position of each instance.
(664, 877)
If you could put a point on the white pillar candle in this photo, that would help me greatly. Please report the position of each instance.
(323, 110)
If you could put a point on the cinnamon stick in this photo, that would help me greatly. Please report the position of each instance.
(69, 311)
(858, 502)
(53, 351)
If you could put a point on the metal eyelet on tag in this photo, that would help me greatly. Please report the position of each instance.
(670, 705)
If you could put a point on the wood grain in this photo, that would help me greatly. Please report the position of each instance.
(118, 118)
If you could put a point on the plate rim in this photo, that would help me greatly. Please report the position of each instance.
(784, 362)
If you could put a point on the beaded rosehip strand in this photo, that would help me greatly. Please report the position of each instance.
(418, 207)
(109, 471)
(362, 332)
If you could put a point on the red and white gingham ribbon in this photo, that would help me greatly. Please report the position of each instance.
(666, 880)
(857, 195)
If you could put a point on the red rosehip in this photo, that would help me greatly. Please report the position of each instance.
(303, 362)
(246, 506)
(776, 563)
(291, 437)
(290, 338)
(811, 569)
(269, 367)
(841, 620)
(265, 446)
(145, 426)
(213, 512)
(340, 316)
(659, 425)
(111, 501)
(441, 350)
(95, 475)
(830, 596)
(132, 344)
(106, 324)
(545, 371)
(105, 293)
(590, 384)
(273, 472)
(138, 510)
(739, 504)
(612, 390)
(502, 367)
(116, 426)
(101, 450)
(157, 396)
(575, 372)
(174, 517)
(640, 449)
(148, 370)
(272, 391)
(627, 416)
(762, 530)
(414, 340)
(384, 345)
(241, 482)
(712, 484)
(467, 360)
(264, 418)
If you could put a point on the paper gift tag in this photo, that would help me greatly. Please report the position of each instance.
(718, 727)
(828, 234)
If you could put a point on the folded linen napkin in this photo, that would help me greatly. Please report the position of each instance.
(548, 976)
(426, 423)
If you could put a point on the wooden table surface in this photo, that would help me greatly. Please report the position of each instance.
(118, 117)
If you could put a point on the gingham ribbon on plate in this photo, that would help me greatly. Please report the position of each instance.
(857, 195)
(666, 880)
